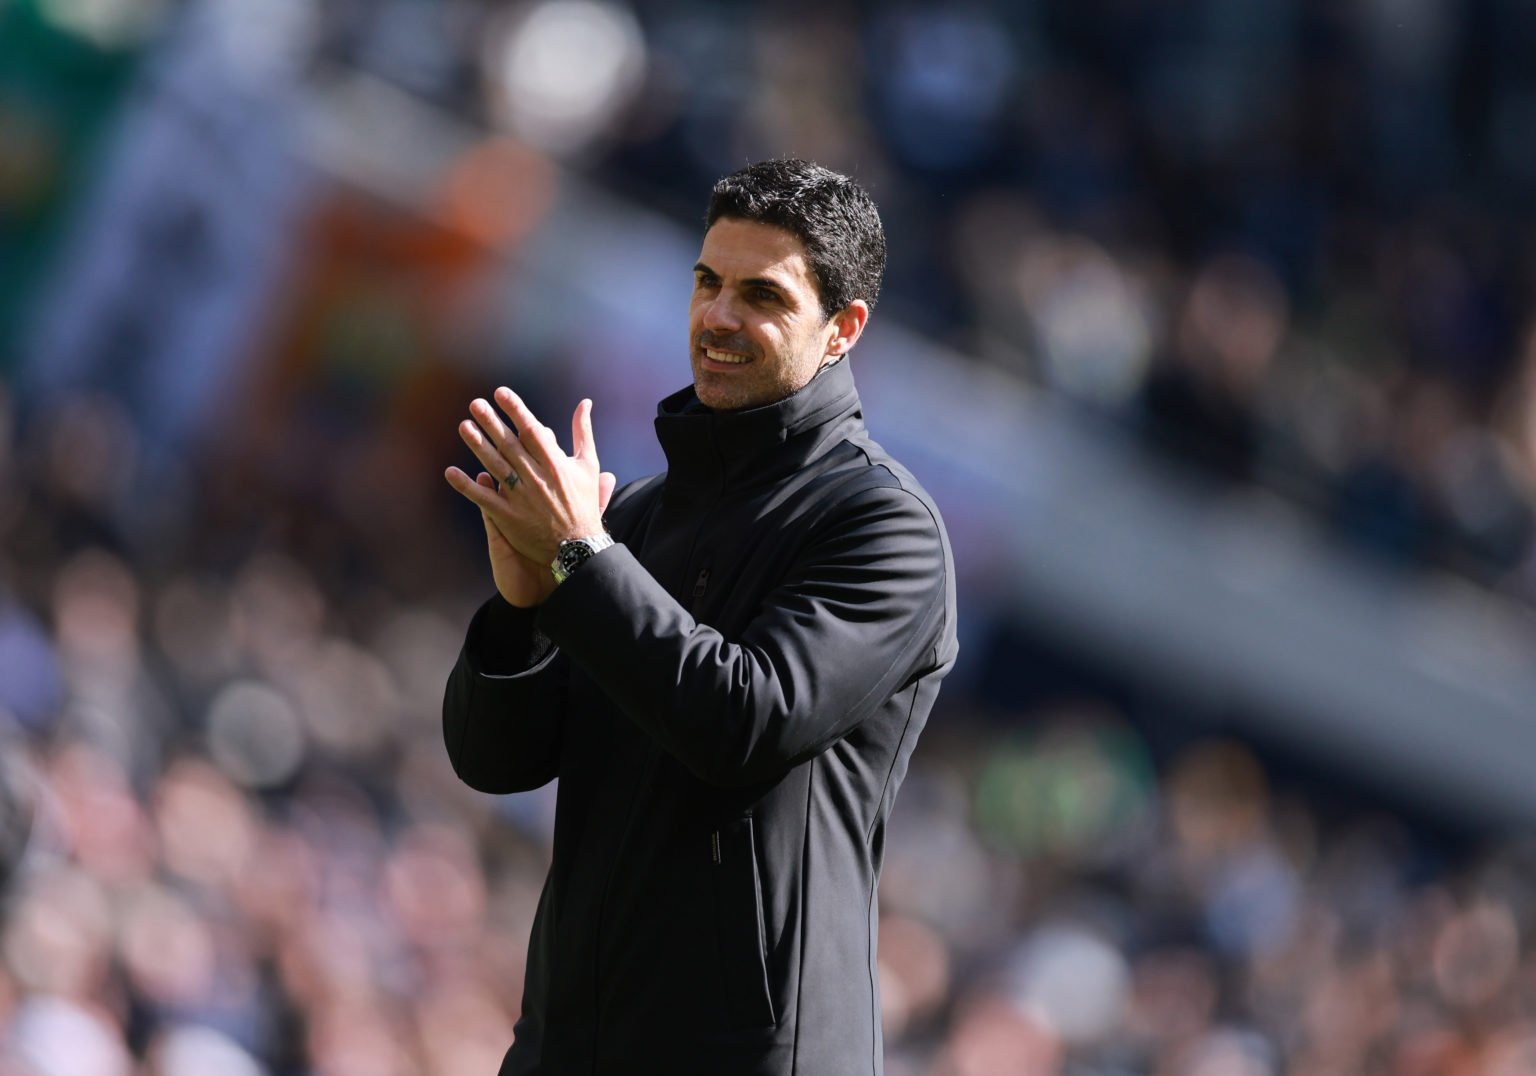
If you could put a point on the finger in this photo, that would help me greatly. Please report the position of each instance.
(493, 532)
(605, 483)
(493, 486)
(540, 444)
(537, 438)
(503, 437)
(498, 526)
(583, 444)
(478, 493)
(489, 483)
(490, 457)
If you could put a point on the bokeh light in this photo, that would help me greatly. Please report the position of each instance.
(561, 70)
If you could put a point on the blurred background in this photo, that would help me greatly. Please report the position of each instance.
(1210, 326)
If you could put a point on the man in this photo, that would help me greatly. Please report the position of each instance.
(727, 667)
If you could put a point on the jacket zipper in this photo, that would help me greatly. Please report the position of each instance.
(699, 586)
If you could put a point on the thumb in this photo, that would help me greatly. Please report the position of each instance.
(583, 444)
(605, 483)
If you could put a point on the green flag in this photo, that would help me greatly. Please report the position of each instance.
(59, 91)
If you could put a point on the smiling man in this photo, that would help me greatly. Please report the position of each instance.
(726, 665)
(761, 329)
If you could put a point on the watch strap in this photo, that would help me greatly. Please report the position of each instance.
(574, 552)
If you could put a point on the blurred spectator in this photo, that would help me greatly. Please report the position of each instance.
(1203, 401)
(1286, 241)
(245, 851)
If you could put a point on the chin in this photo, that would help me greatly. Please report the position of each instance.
(716, 400)
(717, 393)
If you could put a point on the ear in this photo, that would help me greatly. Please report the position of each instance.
(845, 327)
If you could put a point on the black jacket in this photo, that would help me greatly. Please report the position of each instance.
(729, 698)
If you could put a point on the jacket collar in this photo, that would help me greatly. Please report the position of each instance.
(710, 451)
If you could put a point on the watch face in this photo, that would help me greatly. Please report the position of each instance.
(572, 553)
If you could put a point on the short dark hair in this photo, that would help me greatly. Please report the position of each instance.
(831, 215)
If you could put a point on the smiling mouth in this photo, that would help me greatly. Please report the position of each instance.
(727, 357)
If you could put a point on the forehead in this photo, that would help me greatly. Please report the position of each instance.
(736, 248)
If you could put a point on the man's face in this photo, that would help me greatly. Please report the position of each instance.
(755, 322)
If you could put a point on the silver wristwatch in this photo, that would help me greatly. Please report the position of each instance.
(575, 551)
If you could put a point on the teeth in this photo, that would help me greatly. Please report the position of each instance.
(725, 356)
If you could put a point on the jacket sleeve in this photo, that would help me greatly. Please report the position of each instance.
(859, 614)
(503, 708)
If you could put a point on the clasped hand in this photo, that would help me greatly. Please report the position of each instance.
(555, 496)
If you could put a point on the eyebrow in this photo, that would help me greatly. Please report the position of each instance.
(750, 282)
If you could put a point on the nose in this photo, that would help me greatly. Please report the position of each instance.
(720, 313)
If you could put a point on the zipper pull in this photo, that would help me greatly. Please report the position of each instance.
(700, 584)
(714, 846)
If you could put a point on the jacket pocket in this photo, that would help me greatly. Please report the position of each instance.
(739, 926)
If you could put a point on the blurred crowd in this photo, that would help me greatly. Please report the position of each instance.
(1055, 903)
(1290, 242)
(232, 843)
(1286, 241)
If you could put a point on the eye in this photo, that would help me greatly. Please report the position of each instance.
(765, 295)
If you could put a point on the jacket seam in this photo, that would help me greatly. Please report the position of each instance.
(828, 501)
(869, 959)
(805, 918)
(940, 597)
(869, 831)
(936, 600)
(874, 886)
